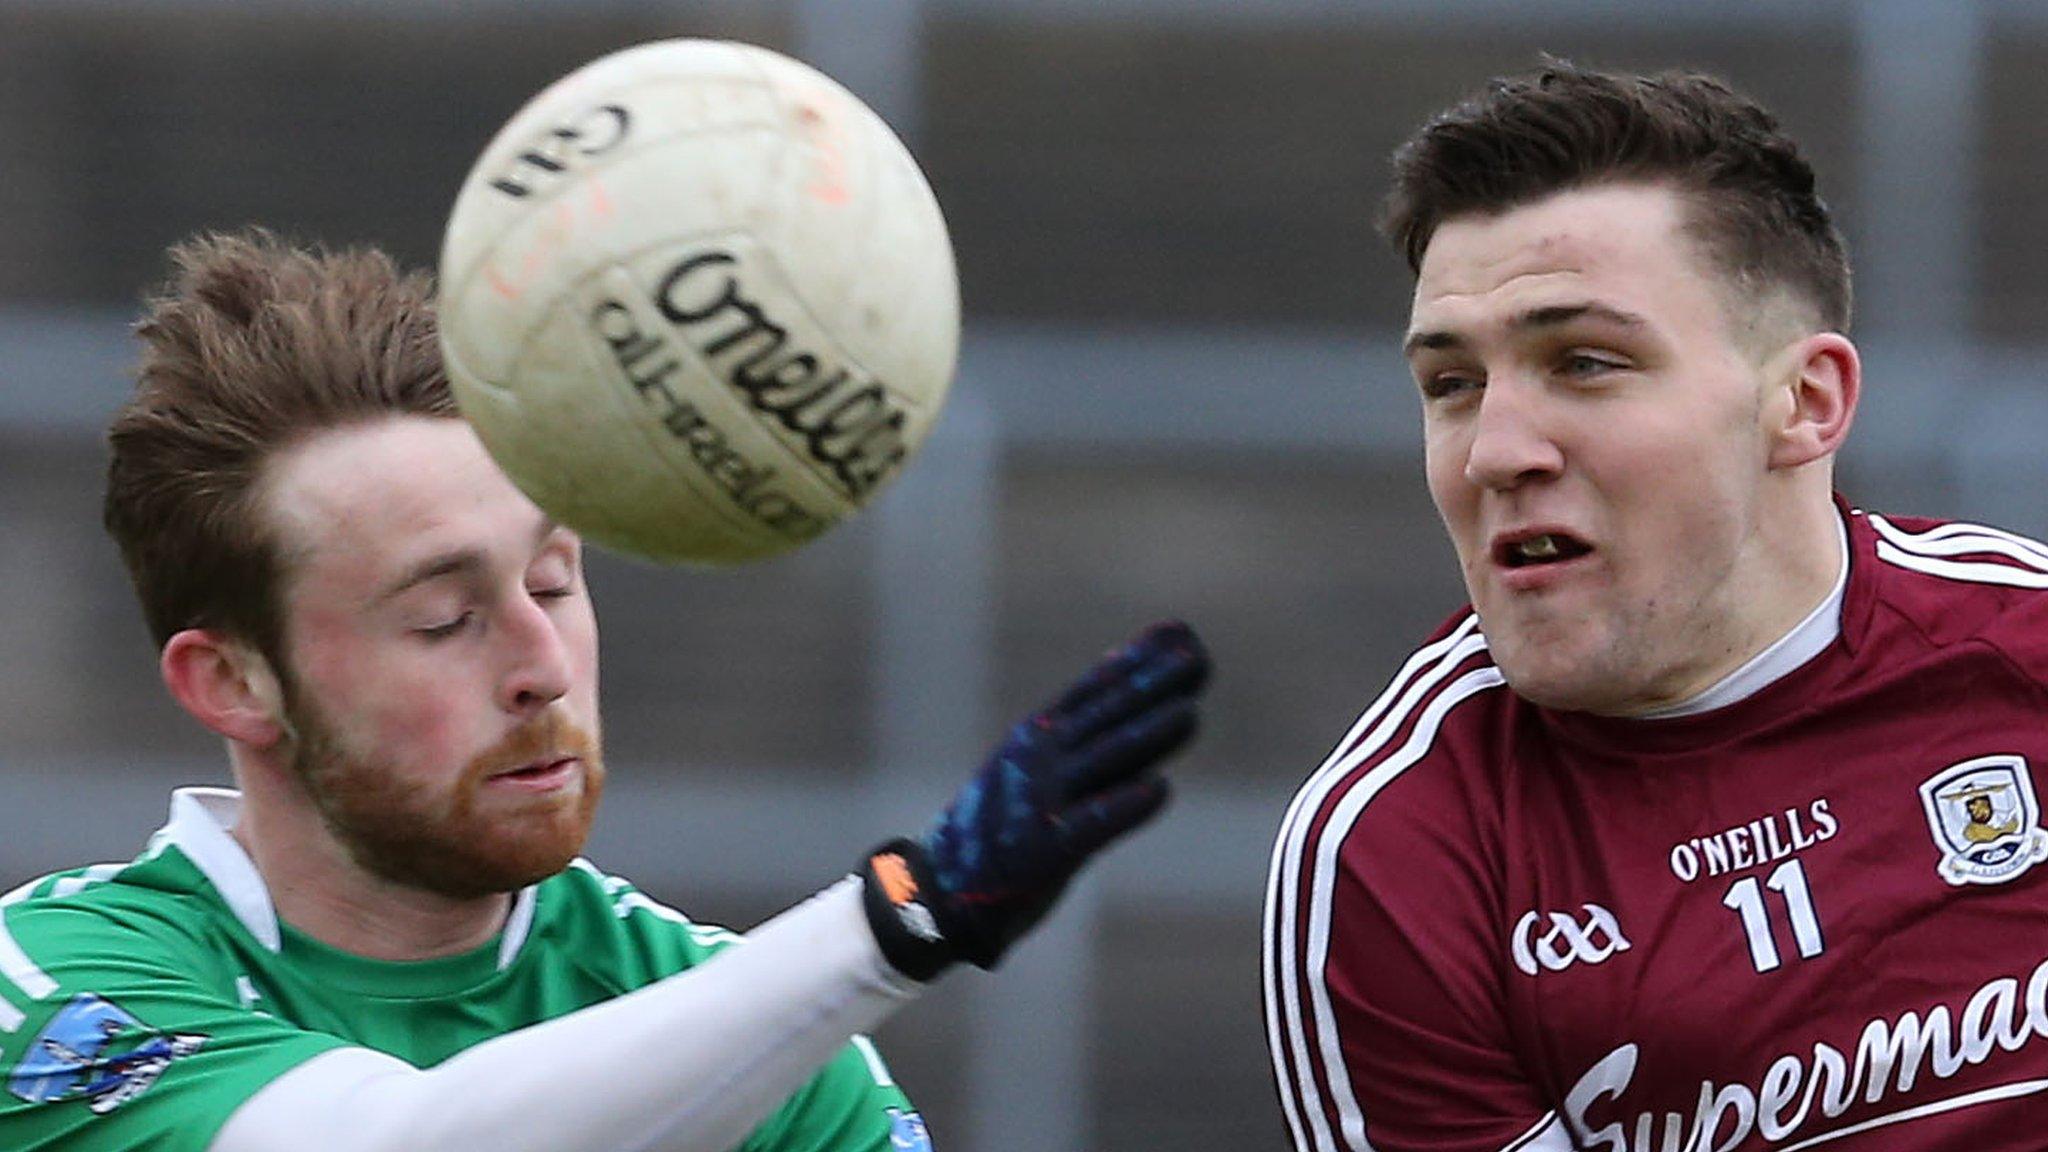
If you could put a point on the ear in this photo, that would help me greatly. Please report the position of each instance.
(226, 685)
(1822, 380)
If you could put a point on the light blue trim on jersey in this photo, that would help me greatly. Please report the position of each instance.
(200, 819)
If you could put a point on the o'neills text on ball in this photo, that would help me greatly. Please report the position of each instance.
(846, 420)
(651, 363)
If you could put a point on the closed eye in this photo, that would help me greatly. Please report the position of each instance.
(444, 631)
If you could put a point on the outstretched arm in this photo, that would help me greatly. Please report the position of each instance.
(696, 1061)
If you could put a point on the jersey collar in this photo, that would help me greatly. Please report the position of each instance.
(198, 827)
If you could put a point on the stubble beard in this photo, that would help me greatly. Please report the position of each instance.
(1614, 662)
(449, 841)
(1550, 677)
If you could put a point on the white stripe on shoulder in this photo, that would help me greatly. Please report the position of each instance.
(1323, 881)
(20, 972)
(1925, 540)
(1932, 552)
(52, 885)
(626, 900)
(1968, 572)
(1427, 666)
(1415, 686)
(86, 878)
(1455, 646)
(22, 892)
(16, 969)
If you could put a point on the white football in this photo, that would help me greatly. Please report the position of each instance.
(698, 301)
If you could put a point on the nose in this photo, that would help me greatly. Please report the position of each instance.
(1511, 442)
(537, 664)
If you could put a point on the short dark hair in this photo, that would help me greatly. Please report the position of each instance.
(252, 346)
(1524, 138)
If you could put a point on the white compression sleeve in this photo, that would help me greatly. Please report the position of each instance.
(689, 1064)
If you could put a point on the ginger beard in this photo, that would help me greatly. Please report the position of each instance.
(451, 841)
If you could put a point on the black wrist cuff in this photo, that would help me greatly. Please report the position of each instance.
(896, 892)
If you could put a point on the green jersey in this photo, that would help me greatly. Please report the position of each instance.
(141, 1004)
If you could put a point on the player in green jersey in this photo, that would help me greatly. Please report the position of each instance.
(383, 938)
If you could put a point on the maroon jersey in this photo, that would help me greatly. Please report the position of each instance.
(1817, 916)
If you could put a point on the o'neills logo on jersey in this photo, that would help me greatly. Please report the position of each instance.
(1800, 1092)
(1761, 841)
(1985, 820)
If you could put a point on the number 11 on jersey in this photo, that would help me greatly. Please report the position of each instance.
(1746, 897)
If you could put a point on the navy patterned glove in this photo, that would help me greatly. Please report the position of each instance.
(1065, 782)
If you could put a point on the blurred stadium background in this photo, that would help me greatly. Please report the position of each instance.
(1179, 393)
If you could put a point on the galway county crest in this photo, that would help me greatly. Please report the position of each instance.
(1985, 820)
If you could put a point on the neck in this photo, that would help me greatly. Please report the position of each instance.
(1789, 569)
(319, 889)
(1797, 559)
(1805, 640)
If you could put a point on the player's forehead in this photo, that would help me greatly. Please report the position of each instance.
(353, 506)
(1622, 248)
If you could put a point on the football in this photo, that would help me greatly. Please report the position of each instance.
(698, 301)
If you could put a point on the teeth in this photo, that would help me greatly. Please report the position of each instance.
(1540, 548)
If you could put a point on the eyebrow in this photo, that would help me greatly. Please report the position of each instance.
(1548, 316)
(441, 564)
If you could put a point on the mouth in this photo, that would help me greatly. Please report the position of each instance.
(543, 775)
(1536, 550)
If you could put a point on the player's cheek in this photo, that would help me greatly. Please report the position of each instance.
(427, 731)
(1443, 469)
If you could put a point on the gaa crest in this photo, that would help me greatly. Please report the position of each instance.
(1985, 820)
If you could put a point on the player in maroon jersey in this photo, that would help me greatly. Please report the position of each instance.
(1720, 832)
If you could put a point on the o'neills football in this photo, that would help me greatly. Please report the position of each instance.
(699, 302)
